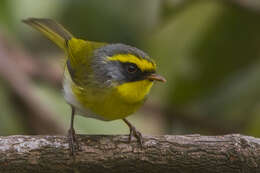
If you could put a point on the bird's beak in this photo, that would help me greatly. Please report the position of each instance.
(156, 77)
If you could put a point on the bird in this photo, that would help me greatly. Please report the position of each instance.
(106, 81)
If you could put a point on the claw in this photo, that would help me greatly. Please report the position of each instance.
(73, 142)
(135, 133)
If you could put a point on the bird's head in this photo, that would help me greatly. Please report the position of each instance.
(127, 69)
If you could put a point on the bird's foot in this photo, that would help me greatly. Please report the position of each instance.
(73, 142)
(136, 134)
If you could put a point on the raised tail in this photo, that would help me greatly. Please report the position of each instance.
(52, 30)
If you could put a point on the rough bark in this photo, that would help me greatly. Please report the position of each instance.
(184, 154)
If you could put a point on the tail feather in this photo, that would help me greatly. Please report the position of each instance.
(78, 51)
(53, 30)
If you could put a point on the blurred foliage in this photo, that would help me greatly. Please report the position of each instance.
(120, 21)
(208, 50)
(10, 122)
(207, 46)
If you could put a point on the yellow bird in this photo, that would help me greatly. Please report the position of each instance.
(101, 80)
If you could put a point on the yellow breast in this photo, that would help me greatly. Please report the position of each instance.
(132, 92)
(114, 103)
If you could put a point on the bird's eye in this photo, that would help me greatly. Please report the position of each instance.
(132, 68)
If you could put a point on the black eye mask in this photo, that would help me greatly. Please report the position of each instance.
(133, 73)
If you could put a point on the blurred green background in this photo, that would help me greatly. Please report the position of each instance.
(208, 50)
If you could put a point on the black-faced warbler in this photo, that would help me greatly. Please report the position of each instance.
(101, 80)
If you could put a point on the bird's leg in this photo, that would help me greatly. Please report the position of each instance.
(134, 132)
(73, 143)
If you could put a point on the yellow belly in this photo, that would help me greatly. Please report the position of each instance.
(115, 103)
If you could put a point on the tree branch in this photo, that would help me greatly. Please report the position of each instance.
(186, 154)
